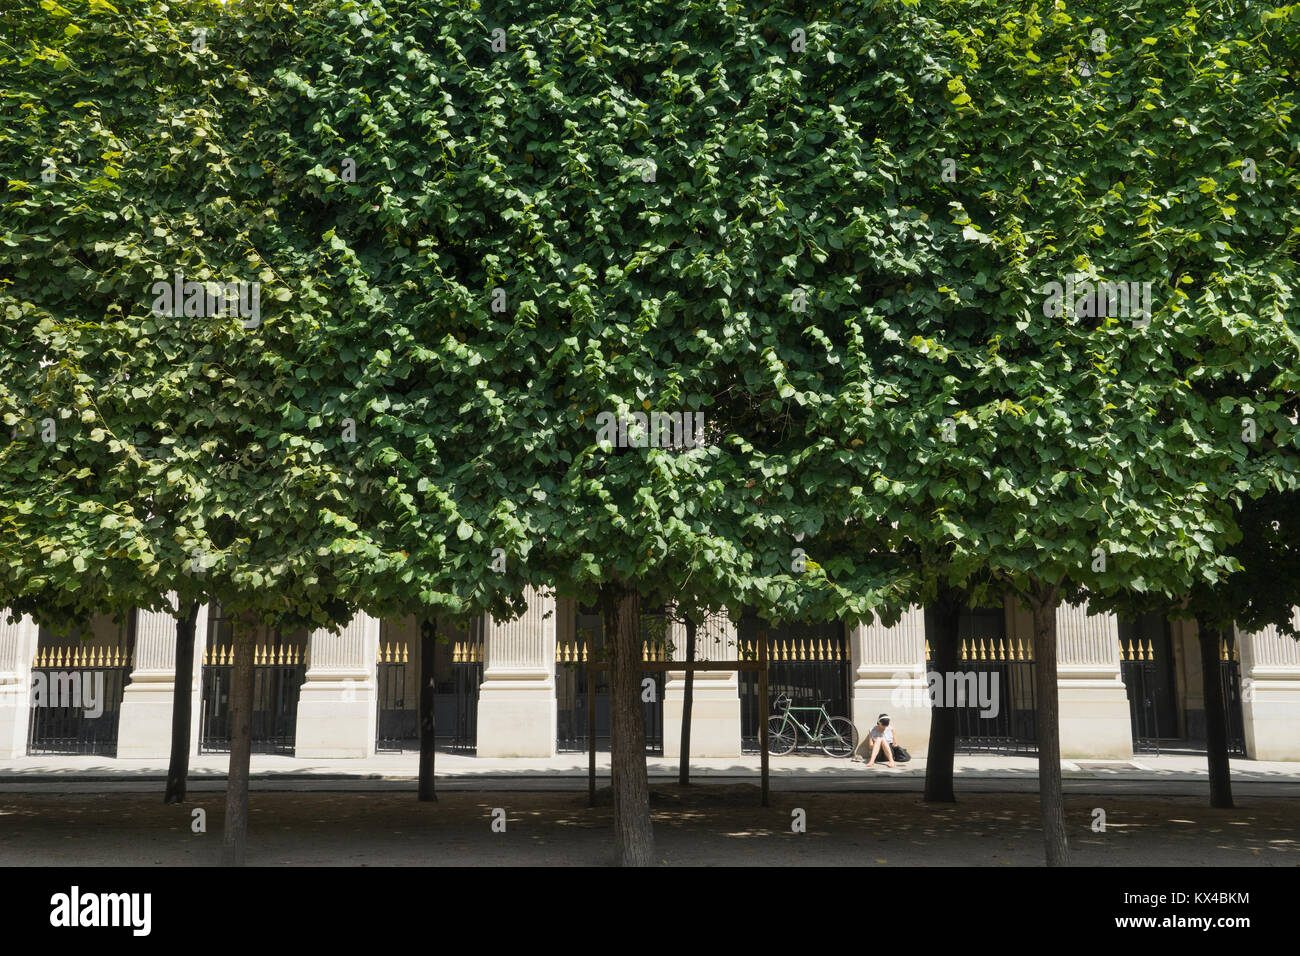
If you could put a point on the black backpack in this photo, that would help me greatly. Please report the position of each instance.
(900, 755)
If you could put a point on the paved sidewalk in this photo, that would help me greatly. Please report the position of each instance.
(1164, 774)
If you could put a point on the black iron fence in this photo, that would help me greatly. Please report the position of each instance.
(571, 690)
(1142, 672)
(811, 671)
(1230, 678)
(455, 699)
(76, 700)
(1138, 669)
(994, 693)
(278, 674)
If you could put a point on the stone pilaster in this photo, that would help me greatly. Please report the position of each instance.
(337, 704)
(17, 649)
(715, 698)
(516, 704)
(145, 721)
(1094, 710)
(889, 678)
(1270, 693)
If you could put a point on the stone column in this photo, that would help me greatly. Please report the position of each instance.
(715, 698)
(17, 650)
(889, 678)
(516, 704)
(1094, 710)
(144, 726)
(338, 701)
(1270, 693)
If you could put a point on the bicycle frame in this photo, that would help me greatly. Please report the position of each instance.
(823, 721)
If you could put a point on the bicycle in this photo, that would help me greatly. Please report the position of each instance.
(836, 735)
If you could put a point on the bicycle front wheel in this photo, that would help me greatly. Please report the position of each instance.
(840, 737)
(781, 736)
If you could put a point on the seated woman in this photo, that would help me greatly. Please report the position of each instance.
(882, 736)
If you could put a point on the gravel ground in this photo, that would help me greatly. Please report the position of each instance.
(702, 825)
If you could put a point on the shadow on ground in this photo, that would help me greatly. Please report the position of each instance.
(715, 825)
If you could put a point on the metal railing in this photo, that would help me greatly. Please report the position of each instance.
(278, 674)
(455, 699)
(571, 687)
(808, 670)
(76, 700)
(1006, 722)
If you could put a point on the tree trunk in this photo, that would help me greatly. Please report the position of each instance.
(946, 648)
(1051, 796)
(428, 722)
(235, 836)
(633, 829)
(178, 770)
(1216, 716)
(688, 698)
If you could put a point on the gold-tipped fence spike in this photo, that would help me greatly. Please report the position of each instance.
(1223, 649)
(928, 655)
(1151, 650)
(405, 649)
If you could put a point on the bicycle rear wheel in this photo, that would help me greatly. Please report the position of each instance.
(839, 738)
(781, 736)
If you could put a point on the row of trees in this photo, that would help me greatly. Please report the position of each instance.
(829, 233)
